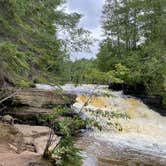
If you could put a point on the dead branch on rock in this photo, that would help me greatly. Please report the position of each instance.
(10, 96)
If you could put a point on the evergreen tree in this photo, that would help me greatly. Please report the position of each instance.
(135, 37)
(29, 29)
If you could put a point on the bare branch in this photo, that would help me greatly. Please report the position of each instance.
(10, 96)
(88, 100)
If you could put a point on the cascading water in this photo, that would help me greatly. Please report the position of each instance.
(132, 134)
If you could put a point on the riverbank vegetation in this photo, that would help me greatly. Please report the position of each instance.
(135, 37)
(38, 37)
(133, 51)
(65, 123)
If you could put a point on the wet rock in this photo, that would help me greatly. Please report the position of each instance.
(139, 91)
(23, 159)
(28, 105)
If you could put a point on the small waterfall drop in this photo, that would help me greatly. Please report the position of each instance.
(132, 134)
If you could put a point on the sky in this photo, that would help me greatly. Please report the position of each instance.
(91, 20)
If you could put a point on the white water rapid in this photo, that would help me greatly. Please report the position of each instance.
(131, 135)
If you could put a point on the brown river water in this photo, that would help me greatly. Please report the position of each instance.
(131, 135)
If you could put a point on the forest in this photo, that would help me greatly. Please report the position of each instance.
(132, 51)
(37, 42)
(30, 49)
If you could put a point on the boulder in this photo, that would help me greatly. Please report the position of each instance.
(36, 136)
(8, 119)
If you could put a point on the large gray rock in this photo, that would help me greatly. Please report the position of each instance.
(42, 98)
(31, 111)
(36, 136)
(8, 119)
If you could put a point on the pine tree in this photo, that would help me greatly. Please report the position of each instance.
(31, 28)
(136, 31)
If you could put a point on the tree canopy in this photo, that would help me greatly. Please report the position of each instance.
(30, 48)
(135, 36)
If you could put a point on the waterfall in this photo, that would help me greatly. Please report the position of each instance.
(131, 132)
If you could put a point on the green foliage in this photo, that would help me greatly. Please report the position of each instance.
(119, 115)
(66, 124)
(29, 44)
(135, 38)
(12, 61)
(67, 154)
(108, 117)
(24, 84)
(118, 74)
(86, 71)
(69, 123)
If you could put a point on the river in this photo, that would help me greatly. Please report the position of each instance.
(131, 134)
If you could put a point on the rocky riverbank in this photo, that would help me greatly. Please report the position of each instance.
(24, 134)
(22, 145)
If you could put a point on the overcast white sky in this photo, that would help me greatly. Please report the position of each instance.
(91, 11)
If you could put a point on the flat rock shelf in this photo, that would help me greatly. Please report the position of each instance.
(42, 98)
